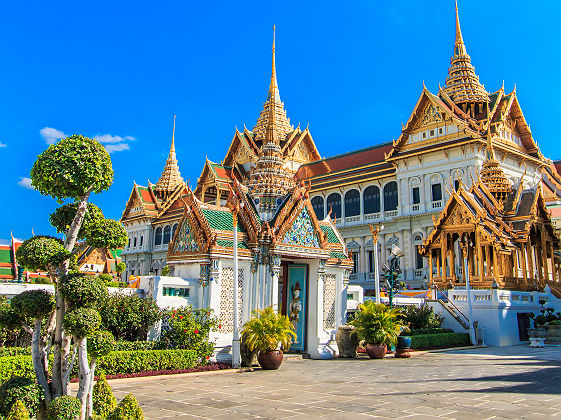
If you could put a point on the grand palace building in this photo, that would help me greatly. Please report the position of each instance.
(276, 170)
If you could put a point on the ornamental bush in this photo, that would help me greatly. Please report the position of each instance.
(62, 218)
(80, 322)
(424, 331)
(134, 345)
(81, 290)
(128, 316)
(103, 400)
(56, 173)
(106, 233)
(189, 329)
(64, 408)
(33, 303)
(439, 340)
(18, 412)
(128, 409)
(100, 343)
(38, 253)
(20, 365)
(423, 317)
(105, 278)
(42, 280)
(23, 389)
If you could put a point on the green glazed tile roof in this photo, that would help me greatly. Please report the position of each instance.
(6, 271)
(230, 244)
(5, 256)
(340, 255)
(331, 237)
(221, 220)
(116, 253)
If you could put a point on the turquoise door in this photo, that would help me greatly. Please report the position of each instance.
(296, 302)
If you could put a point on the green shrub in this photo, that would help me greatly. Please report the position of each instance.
(129, 317)
(424, 331)
(81, 290)
(81, 322)
(14, 351)
(20, 365)
(128, 409)
(42, 280)
(40, 252)
(100, 343)
(114, 363)
(103, 400)
(189, 329)
(23, 389)
(135, 345)
(115, 284)
(439, 340)
(105, 278)
(18, 412)
(33, 303)
(555, 322)
(64, 408)
(423, 317)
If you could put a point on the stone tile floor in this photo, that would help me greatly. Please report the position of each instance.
(510, 382)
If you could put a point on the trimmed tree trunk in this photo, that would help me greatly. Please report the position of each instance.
(38, 357)
(84, 376)
(89, 411)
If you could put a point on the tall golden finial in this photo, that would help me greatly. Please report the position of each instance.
(173, 136)
(459, 39)
(273, 88)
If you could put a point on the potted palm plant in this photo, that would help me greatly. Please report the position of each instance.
(378, 326)
(269, 333)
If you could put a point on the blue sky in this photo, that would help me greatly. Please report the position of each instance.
(353, 70)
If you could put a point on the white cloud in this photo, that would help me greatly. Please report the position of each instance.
(25, 183)
(51, 135)
(118, 147)
(3, 145)
(108, 138)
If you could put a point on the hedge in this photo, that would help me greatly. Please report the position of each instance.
(119, 346)
(439, 340)
(424, 331)
(114, 363)
(14, 351)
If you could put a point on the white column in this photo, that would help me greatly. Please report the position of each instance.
(236, 352)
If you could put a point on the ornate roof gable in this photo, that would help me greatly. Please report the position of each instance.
(141, 202)
(302, 231)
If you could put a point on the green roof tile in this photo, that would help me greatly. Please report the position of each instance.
(230, 244)
(5, 256)
(221, 220)
(6, 271)
(340, 255)
(331, 237)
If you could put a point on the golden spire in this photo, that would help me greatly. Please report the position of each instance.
(462, 84)
(492, 175)
(273, 104)
(171, 177)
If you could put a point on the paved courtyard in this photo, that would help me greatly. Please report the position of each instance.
(513, 382)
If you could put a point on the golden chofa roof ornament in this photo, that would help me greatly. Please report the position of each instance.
(274, 104)
(492, 175)
(171, 177)
(462, 84)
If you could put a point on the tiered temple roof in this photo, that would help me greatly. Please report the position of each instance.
(171, 177)
(462, 84)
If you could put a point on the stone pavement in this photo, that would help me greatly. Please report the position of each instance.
(512, 382)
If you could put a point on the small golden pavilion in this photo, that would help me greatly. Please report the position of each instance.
(504, 231)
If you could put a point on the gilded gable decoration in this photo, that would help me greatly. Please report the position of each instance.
(302, 231)
(430, 116)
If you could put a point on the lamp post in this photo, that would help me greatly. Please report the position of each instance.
(465, 243)
(375, 231)
(236, 351)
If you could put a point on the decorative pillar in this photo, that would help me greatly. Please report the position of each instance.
(479, 257)
(443, 253)
(544, 254)
(528, 253)
(275, 272)
(430, 267)
(553, 273)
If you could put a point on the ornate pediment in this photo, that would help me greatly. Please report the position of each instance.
(429, 116)
(459, 216)
(302, 232)
(186, 239)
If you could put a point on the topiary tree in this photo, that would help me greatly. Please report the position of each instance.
(127, 409)
(22, 389)
(37, 305)
(64, 408)
(121, 268)
(18, 412)
(71, 169)
(104, 401)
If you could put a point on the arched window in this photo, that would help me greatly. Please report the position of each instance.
(390, 196)
(134, 242)
(317, 204)
(352, 203)
(372, 200)
(141, 240)
(173, 231)
(334, 204)
(158, 236)
(436, 190)
(167, 233)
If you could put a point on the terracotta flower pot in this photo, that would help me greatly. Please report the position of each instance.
(270, 360)
(376, 351)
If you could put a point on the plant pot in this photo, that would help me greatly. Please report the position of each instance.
(347, 341)
(376, 351)
(270, 360)
(403, 342)
(553, 333)
(538, 332)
